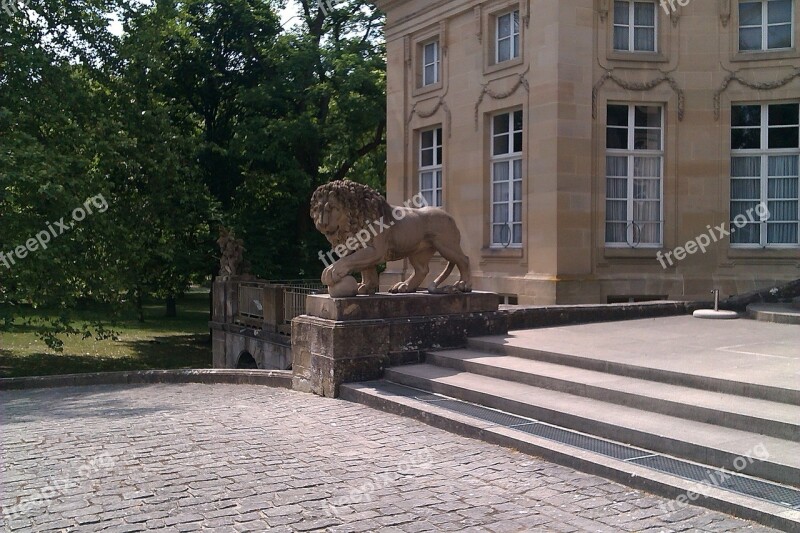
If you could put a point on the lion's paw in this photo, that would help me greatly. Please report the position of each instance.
(400, 288)
(363, 288)
(462, 286)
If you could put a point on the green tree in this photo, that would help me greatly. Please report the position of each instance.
(322, 117)
(70, 130)
(48, 132)
(203, 112)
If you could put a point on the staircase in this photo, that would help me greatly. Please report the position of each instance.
(736, 444)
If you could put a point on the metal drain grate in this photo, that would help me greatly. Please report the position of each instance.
(764, 490)
(677, 467)
(476, 411)
(725, 480)
(407, 392)
(579, 440)
(755, 488)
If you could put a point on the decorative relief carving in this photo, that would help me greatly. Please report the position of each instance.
(724, 12)
(486, 91)
(602, 9)
(440, 104)
(527, 16)
(478, 23)
(639, 86)
(759, 86)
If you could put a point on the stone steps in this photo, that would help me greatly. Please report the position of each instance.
(747, 414)
(696, 441)
(685, 399)
(771, 504)
(696, 377)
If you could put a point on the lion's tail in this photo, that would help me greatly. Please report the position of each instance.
(443, 276)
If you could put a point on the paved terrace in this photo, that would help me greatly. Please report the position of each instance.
(248, 458)
(742, 350)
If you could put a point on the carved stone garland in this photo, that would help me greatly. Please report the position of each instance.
(440, 104)
(759, 86)
(486, 91)
(639, 86)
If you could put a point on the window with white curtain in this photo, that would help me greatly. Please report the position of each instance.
(634, 170)
(507, 179)
(635, 26)
(430, 63)
(507, 37)
(765, 25)
(430, 166)
(765, 156)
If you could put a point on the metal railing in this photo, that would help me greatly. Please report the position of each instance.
(272, 305)
(251, 300)
(294, 301)
(299, 283)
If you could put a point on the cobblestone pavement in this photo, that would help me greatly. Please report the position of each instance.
(244, 458)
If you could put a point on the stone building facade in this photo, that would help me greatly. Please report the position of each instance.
(581, 144)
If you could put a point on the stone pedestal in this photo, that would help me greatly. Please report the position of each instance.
(342, 340)
(224, 306)
(225, 300)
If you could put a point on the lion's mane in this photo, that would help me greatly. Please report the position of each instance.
(361, 204)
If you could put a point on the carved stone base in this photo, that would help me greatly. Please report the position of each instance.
(342, 340)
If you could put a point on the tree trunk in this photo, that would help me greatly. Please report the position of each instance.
(211, 305)
(770, 295)
(138, 303)
(172, 307)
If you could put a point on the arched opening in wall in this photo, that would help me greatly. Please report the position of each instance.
(247, 362)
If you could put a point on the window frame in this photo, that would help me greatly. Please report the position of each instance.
(436, 169)
(417, 42)
(630, 153)
(764, 27)
(437, 62)
(631, 26)
(515, 51)
(508, 158)
(764, 152)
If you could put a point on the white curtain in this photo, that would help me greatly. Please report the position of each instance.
(616, 198)
(621, 25)
(783, 205)
(745, 196)
(644, 35)
(500, 191)
(647, 200)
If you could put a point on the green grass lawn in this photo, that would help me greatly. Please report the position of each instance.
(156, 343)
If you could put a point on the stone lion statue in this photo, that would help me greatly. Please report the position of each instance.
(366, 231)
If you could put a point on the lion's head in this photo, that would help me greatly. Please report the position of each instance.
(341, 208)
